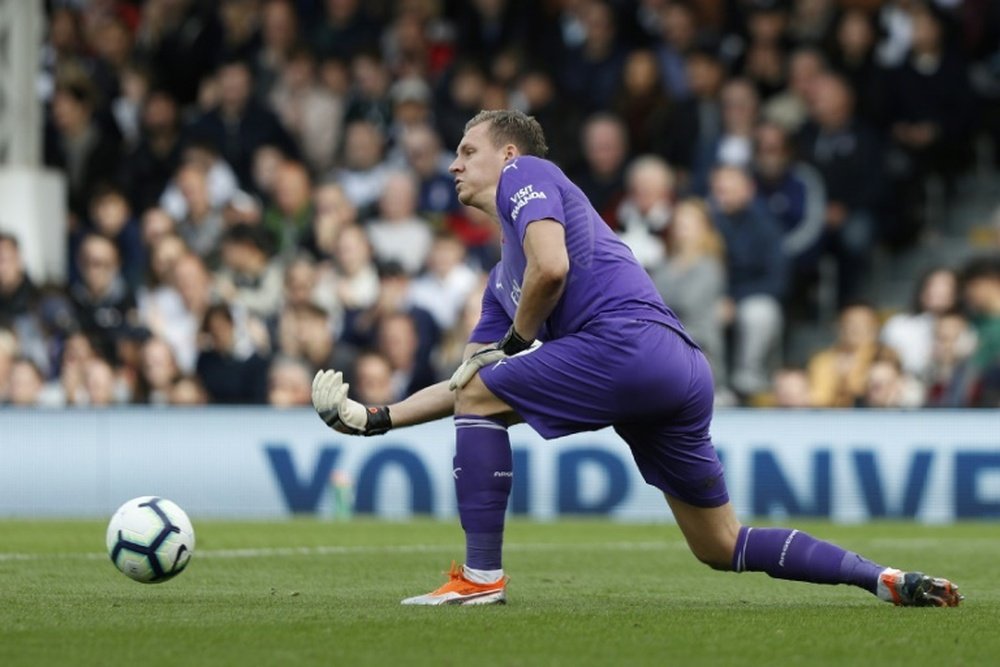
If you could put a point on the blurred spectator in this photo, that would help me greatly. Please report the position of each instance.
(156, 224)
(757, 275)
(68, 388)
(950, 378)
(289, 383)
(151, 164)
(678, 36)
(231, 372)
(465, 85)
(847, 155)
(363, 174)
(372, 382)
(100, 384)
(590, 72)
(369, 100)
(692, 281)
(240, 30)
(536, 94)
(397, 339)
(449, 354)
(793, 193)
(605, 152)
(854, 57)
(646, 210)
(202, 225)
(443, 288)
(734, 145)
(306, 332)
(424, 156)
(696, 121)
(158, 372)
(103, 301)
(357, 279)
(485, 27)
(76, 143)
(838, 375)
(812, 22)
(929, 112)
(311, 113)
(126, 107)
(980, 286)
(25, 384)
(238, 124)
(290, 213)
(411, 100)
(643, 103)
(333, 212)
(279, 38)
(222, 184)
(306, 282)
(18, 294)
(361, 328)
(888, 386)
(791, 388)
(247, 276)
(345, 29)
(789, 108)
(398, 234)
(187, 390)
(179, 39)
(111, 217)
(911, 334)
(176, 310)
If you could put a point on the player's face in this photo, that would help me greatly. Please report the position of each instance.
(477, 168)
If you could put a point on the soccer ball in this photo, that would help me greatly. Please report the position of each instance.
(150, 539)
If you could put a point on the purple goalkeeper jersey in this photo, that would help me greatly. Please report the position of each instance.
(605, 281)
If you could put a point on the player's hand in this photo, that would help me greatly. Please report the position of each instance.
(508, 346)
(329, 397)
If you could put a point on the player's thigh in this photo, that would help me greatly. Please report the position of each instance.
(711, 532)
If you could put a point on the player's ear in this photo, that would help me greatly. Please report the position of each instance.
(510, 151)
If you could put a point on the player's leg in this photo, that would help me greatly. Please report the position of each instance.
(483, 471)
(716, 538)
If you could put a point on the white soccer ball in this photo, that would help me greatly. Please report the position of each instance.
(150, 539)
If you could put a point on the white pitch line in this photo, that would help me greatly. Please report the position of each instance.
(273, 552)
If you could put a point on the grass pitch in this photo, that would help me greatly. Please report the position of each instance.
(582, 593)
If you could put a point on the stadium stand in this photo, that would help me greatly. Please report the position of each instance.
(222, 156)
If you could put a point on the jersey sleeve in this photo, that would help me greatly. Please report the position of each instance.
(493, 322)
(529, 193)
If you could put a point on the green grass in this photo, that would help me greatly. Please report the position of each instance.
(582, 593)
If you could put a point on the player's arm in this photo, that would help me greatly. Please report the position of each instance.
(345, 415)
(544, 276)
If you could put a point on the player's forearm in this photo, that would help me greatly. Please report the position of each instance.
(428, 404)
(539, 295)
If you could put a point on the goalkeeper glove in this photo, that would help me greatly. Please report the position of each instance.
(329, 397)
(508, 346)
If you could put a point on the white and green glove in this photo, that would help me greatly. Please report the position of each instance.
(329, 397)
(508, 346)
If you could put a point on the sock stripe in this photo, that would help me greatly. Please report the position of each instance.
(741, 561)
(482, 422)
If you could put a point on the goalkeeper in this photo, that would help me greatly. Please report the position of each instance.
(612, 355)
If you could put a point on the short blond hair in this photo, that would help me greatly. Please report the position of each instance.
(509, 126)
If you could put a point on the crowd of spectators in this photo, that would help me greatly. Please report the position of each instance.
(258, 189)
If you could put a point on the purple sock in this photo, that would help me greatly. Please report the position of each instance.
(483, 469)
(792, 554)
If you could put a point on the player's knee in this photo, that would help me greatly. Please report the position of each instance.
(475, 398)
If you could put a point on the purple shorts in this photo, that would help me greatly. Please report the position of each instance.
(640, 377)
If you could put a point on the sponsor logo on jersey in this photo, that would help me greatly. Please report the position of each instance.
(522, 197)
